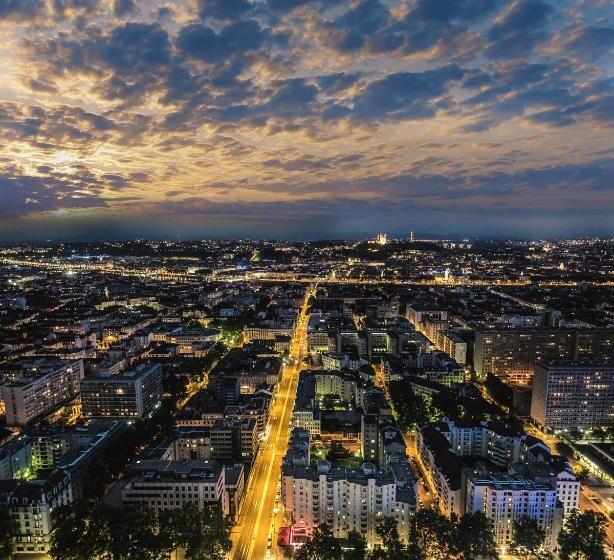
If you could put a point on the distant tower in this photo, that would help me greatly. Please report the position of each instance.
(381, 239)
(411, 235)
(446, 274)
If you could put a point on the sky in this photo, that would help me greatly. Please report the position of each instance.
(305, 119)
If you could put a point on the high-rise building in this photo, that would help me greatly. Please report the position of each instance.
(43, 386)
(345, 499)
(511, 353)
(131, 394)
(505, 499)
(573, 394)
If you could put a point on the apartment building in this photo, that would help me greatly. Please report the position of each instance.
(163, 485)
(345, 499)
(511, 353)
(234, 439)
(505, 499)
(573, 395)
(453, 345)
(42, 387)
(30, 506)
(132, 394)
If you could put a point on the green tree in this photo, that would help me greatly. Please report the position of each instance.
(77, 534)
(527, 537)
(6, 533)
(336, 452)
(474, 537)
(564, 449)
(411, 409)
(130, 533)
(583, 536)
(445, 401)
(434, 532)
(355, 547)
(86, 530)
(204, 535)
(322, 546)
(388, 532)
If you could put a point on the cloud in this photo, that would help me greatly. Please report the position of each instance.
(519, 29)
(20, 9)
(23, 194)
(590, 43)
(405, 95)
(348, 100)
(125, 8)
(201, 42)
(224, 9)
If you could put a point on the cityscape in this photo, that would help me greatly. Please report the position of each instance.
(384, 397)
(306, 280)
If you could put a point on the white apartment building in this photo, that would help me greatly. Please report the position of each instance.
(505, 499)
(347, 387)
(453, 345)
(346, 500)
(164, 485)
(42, 388)
(30, 505)
(557, 473)
(572, 394)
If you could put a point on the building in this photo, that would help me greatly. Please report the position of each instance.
(505, 499)
(234, 439)
(164, 485)
(444, 469)
(442, 448)
(417, 313)
(573, 395)
(453, 345)
(42, 387)
(30, 506)
(305, 414)
(345, 499)
(555, 472)
(511, 353)
(15, 458)
(132, 394)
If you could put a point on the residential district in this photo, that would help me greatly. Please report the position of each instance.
(381, 398)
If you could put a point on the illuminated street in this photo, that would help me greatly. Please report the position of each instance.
(251, 536)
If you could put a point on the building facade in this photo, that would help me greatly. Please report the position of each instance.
(573, 395)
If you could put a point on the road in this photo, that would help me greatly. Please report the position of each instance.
(250, 536)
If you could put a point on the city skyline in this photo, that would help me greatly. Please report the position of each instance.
(305, 119)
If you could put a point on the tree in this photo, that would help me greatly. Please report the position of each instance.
(583, 536)
(205, 535)
(434, 532)
(599, 433)
(388, 532)
(581, 471)
(336, 452)
(130, 533)
(474, 537)
(564, 449)
(322, 546)
(6, 533)
(527, 537)
(411, 409)
(76, 534)
(355, 547)
(445, 401)
(86, 530)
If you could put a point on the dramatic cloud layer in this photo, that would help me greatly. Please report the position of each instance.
(305, 118)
